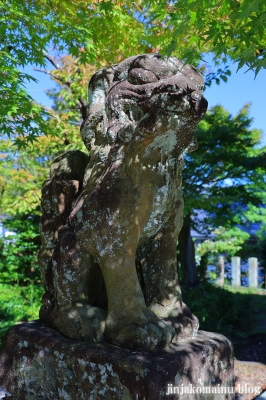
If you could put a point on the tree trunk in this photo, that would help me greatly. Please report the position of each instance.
(190, 276)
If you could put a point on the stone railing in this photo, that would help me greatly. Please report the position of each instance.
(235, 271)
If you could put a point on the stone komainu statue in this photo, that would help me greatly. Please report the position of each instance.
(110, 220)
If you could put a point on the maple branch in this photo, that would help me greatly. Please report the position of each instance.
(52, 60)
(60, 79)
(45, 71)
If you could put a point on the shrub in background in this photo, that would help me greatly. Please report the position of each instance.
(18, 251)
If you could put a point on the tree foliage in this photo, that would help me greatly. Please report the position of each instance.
(223, 183)
(18, 251)
(98, 32)
(234, 28)
(26, 30)
(105, 32)
(23, 172)
(225, 240)
(225, 176)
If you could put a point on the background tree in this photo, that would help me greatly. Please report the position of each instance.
(103, 32)
(23, 171)
(225, 178)
(21, 176)
(96, 34)
(69, 40)
(226, 241)
(234, 29)
(18, 251)
(226, 160)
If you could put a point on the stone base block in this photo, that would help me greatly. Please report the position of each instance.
(37, 363)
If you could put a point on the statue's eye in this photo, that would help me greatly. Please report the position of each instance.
(139, 76)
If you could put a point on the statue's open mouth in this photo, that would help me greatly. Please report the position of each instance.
(169, 95)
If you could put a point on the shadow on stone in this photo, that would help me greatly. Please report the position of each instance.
(42, 364)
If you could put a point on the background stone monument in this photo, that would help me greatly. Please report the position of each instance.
(113, 324)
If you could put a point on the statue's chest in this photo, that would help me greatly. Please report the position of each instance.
(166, 191)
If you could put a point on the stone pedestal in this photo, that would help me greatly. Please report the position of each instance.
(39, 363)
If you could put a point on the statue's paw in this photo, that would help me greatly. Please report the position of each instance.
(179, 317)
(186, 326)
(140, 335)
(79, 321)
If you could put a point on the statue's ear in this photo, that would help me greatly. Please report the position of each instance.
(120, 130)
(93, 130)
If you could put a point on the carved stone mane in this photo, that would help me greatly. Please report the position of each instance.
(111, 220)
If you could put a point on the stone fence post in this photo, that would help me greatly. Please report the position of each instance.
(253, 272)
(236, 271)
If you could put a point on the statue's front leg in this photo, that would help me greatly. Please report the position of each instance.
(77, 288)
(156, 260)
(129, 322)
(109, 228)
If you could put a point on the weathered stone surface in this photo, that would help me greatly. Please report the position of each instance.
(39, 363)
(120, 238)
(59, 194)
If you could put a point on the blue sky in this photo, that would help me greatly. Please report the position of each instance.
(240, 89)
